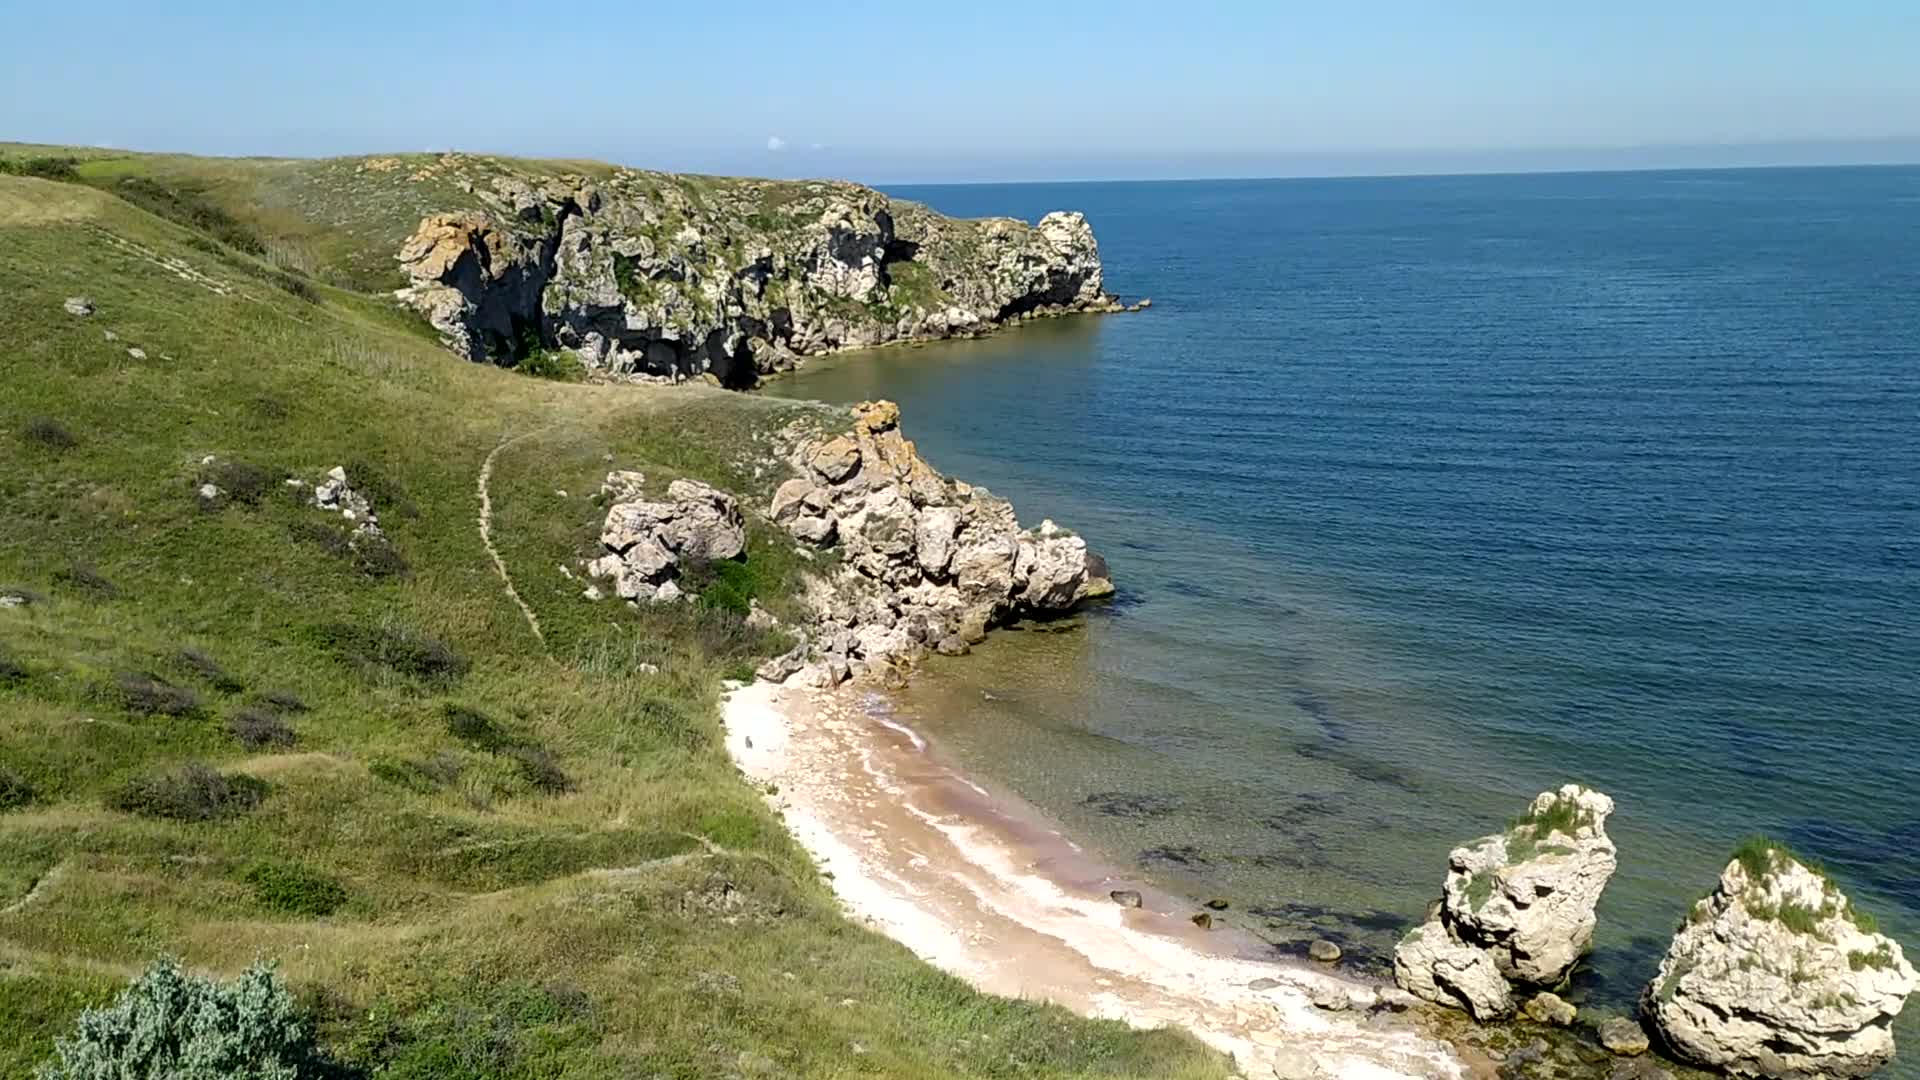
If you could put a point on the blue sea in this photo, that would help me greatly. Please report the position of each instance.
(1426, 494)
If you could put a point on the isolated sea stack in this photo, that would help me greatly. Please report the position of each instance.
(1518, 909)
(1775, 974)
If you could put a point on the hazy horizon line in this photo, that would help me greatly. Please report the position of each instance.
(1891, 151)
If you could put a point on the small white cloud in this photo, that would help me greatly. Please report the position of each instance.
(776, 144)
(819, 146)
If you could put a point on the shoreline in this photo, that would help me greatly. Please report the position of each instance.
(983, 888)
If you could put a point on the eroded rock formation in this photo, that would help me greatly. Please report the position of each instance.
(644, 274)
(1774, 974)
(1518, 907)
(925, 562)
(647, 541)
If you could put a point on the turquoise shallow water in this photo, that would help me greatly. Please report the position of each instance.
(1425, 494)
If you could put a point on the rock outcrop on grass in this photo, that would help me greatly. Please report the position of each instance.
(647, 541)
(732, 278)
(925, 562)
(1775, 974)
(1518, 907)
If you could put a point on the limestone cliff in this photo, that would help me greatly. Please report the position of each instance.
(642, 274)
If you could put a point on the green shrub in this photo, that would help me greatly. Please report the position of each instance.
(395, 649)
(259, 729)
(15, 792)
(381, 489)
(295, 285)
(1560, 815)
(292, 889)
(83, 577)
(377, 558)
(1479, 890)
(538, 767)
(169, 1025)
(535, 763)
(419, 777)
(240, 482)
(194, 791)
(285, 701)
(1759, 857)
(49, 434)
(476, 729)
(207, 668)
(10, 670)
(555, 364)
(150, 695)
(185, 206)
(43, 166)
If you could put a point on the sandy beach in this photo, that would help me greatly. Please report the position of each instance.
(984, 889)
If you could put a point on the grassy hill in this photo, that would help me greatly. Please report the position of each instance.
(228, 734)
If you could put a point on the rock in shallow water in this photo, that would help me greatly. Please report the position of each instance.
(1518, 907)
(1549, 1008)
(1623, 1036)
(1774, 974)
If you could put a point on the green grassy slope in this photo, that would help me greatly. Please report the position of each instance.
(482, 855)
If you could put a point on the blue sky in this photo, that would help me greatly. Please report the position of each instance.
(984, 89)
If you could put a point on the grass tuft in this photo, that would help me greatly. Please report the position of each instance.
(1759, 857)
(15, 791)
(194, 791)
(49, 434)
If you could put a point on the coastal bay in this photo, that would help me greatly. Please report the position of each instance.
(1424, 495)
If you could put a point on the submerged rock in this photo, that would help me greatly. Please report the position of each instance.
(1549, 1008)
(1518, 907)
(1775, 974)
(1623, 1036)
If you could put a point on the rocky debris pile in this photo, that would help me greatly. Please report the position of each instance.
(335, 495)
(647, 542)
(648, 275)
(1775, 974)
(1518, 907)
(926, 562)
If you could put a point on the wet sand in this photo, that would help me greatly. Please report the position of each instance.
(980, 886)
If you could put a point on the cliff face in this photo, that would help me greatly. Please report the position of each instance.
(640, 275)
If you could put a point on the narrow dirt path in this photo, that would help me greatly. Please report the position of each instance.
(486, 535)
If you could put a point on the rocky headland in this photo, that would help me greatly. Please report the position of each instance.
(647, 275)
(910, 561)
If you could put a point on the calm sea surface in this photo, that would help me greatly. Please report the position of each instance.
(1426, 494)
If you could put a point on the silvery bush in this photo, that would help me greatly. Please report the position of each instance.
(170, 1025)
